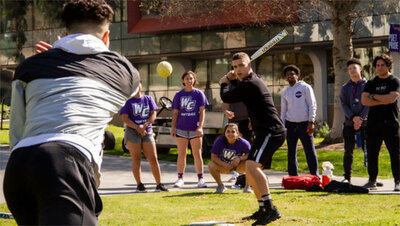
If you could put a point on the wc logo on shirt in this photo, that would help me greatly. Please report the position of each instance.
(187, 103)
(229, 154)
(298, 94)
(140, 109)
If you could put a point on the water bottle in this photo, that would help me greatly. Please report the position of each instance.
(327, 174)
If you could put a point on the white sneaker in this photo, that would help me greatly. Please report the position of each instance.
(247, 189)
(234, 176)
(179, 183)
(221, 189)
(236, 187)
(201, 184)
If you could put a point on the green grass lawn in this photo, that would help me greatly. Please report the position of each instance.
(4, 134)
(279, 162)
(297, 208)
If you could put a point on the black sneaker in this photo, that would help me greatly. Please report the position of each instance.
(254, 216)
(379, 183)
(161, 187)
(267, 216)
(371, 185)
(141, 188)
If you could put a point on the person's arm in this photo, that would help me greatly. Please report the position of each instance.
(235, 162)
(236, 92)
(43, 46)
(312, 109)
(175, 113)
(18, 112)
(244, 157)
(152, 118)
(368, 99)
(220, 163)
(228, 77)
(202, 115)
(283, 107)
(311, 103)
(344, 103)
(225, 110)
(387, 98)
(139, 128)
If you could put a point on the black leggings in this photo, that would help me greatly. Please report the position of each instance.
(49, 184)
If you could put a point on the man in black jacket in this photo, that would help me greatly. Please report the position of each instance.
(268, 128)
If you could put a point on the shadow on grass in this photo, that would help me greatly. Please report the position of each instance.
(196, 194)
(320, 193)
(191, 194)
(215, 223)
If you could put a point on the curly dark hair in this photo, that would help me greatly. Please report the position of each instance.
(388, 61)
(93, 11)
(291, 67)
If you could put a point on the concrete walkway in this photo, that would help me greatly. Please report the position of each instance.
(117, 177)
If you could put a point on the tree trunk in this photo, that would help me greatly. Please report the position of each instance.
(342, 18)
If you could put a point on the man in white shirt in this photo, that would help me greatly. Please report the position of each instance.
(298, 110)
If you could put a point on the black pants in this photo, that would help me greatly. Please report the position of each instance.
(349, 142)
(375, 134)
(51, 184)
(296, 131)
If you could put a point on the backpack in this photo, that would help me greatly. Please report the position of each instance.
(241, 180)
(300, 182)
(340, 187)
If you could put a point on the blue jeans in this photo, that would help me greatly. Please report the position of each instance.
(296, 131)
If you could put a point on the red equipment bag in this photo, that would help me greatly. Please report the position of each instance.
(300, 182)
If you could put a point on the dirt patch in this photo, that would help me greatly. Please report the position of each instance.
(332, 147)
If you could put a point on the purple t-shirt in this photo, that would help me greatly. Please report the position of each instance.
(138, 109)
(227, 152)
(188, 104)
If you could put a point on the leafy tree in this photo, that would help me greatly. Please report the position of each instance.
(15, 10)
(342, 16)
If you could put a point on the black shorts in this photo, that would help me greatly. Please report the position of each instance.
(264, 147)
(49, 184)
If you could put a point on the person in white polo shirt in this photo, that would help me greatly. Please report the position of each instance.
(298, 110)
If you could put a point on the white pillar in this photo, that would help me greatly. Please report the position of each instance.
(318, 58)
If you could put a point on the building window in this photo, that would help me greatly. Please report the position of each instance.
(201, 70)
(212, 40)
(191, 42)
(270, 69)
(170, 43)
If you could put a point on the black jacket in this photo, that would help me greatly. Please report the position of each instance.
(258, 99)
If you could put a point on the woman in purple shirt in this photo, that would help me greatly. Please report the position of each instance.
(228, 153)
(138, 114)
(187, 125)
